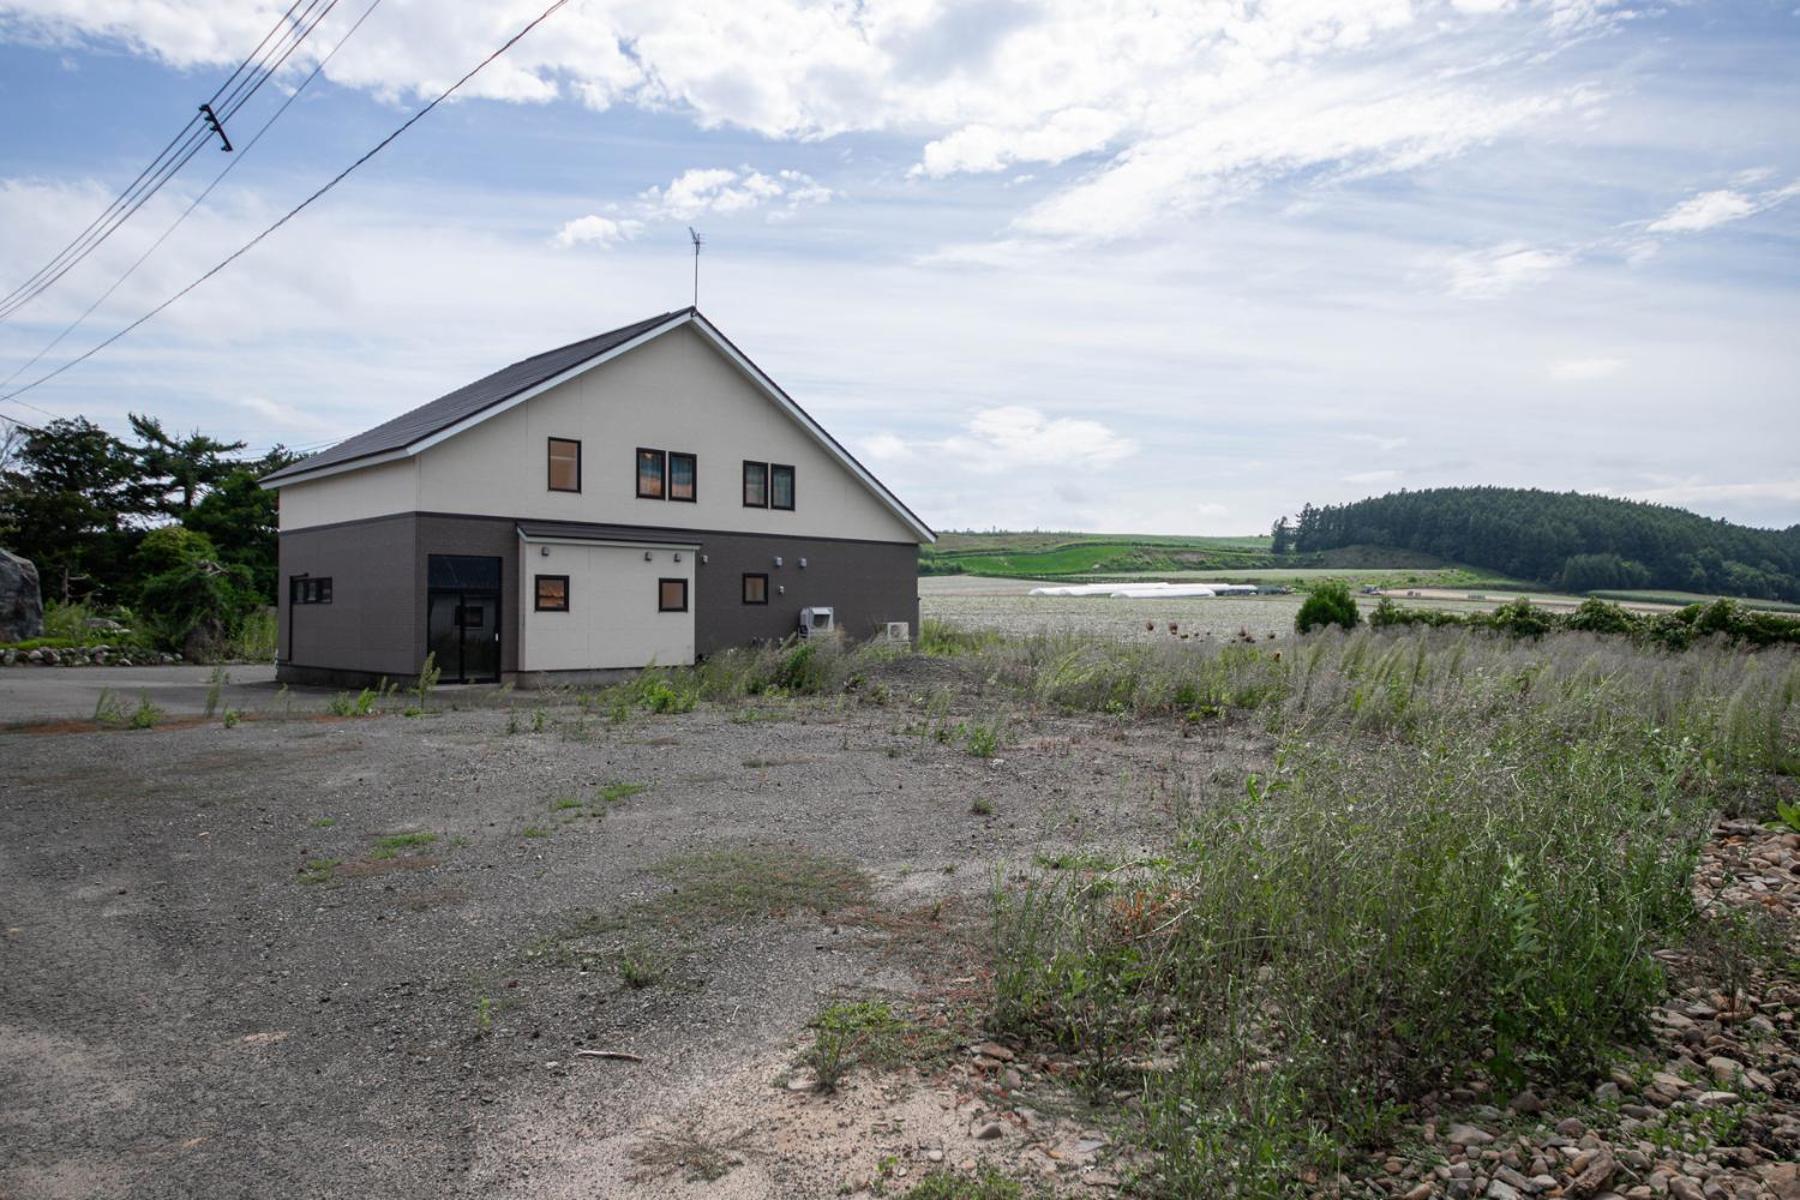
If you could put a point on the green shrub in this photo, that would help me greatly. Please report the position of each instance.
(190, 601)
(802, 671)
(1600, 616)
(1328, 604)
(1518, 618)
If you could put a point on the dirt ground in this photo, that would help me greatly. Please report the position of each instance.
(216, 979)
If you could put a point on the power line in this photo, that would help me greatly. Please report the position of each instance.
(230, 166)
(303, 205)
(154, 163)
(232, 95)
(234, 98)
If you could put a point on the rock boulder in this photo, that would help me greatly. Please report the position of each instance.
(21, 605)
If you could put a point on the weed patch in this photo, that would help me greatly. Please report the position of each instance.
(687, 1153)
(319, 870)
(393, 844)
(986, 1184)
(754, 884)
(869, 1032)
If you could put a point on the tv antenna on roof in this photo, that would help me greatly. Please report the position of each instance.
(697, 245)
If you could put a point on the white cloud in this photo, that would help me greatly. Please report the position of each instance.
(1015, 435)
(596, 230)
(1010, 437)
(723, 191)
(1699, 213)
(885, 447)
(1484, 274)
(1194, 104)
(1386, 476)
(1704, 211)
(1578, 370)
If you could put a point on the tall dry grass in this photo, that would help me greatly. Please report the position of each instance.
(1461, 861)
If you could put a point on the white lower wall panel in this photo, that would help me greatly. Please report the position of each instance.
(613, 618)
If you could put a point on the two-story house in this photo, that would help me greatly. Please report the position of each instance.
(644, 496)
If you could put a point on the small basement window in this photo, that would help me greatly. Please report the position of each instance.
(756, 589)
(756, 485)
(684, 471)
(309, 589)
(565, 465)
(671, 595)
(652, 467)
(552, 593)
(781, 487)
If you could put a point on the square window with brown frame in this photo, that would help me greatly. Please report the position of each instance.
(684, 477)
(552, 593)
(671, 595)
(565, 465)
(652, 469)
(756, 485)
(756, 589)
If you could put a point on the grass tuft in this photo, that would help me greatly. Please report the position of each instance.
(393, 844)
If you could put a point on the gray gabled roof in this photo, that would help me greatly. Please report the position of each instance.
(451, 414)
(469, 400)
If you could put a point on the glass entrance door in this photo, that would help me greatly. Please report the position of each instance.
(462, 617)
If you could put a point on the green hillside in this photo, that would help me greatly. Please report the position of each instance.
(1568, 541)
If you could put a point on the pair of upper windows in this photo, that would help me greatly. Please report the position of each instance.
(768, 485)
(661, 474)
(667, 475)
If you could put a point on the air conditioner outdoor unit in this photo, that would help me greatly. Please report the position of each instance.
(899, 631)
(816, 621)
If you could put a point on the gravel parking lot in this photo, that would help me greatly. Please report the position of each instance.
(312, 956)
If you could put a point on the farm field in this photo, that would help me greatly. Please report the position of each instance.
(1105, 556)
(1002, 606)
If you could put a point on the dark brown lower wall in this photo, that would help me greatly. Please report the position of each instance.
(375, 623)
(867, 583)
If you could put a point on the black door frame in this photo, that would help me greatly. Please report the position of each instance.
(494, 596)
(464, 596)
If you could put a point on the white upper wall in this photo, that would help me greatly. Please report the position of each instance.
(377, 491)
(674, 393)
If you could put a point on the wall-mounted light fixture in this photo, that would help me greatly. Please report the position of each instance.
(704, 560)
(544, 551)
(778, 560)
(780, 590)
(803, 564)
(647, 556)
(677, 557)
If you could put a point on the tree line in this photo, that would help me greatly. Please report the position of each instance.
(172, 523)
(1566, 540)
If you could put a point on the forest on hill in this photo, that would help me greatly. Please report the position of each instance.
(1567, 540)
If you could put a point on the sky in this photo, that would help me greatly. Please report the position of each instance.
(1067, 264)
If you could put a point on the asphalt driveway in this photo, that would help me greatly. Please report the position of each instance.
(30, 694)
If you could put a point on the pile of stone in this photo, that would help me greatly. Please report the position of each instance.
(87, 656)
